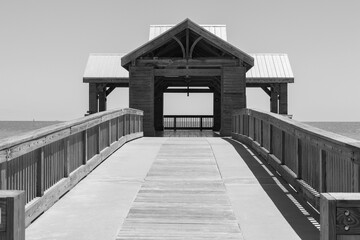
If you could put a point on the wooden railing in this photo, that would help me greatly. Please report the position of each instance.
(311, 160)
(48, 162)
(199, 122)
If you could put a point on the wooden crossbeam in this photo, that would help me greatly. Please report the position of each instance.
(190, 90)
(187, 72)
(199, 62)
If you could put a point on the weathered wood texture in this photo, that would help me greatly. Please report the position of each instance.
(12, 206)
(217, 111)
(310, 159)
(159, 110)
(48, 162)
(183, 197)
(233, 95)
(340, 216)
(141, 95)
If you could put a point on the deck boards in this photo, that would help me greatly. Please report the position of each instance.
(183, 197)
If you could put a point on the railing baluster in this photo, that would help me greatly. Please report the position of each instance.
(40, 174)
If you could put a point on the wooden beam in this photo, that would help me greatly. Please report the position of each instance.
(181, 46)
(191, 90)
(187, 72)
(198, 62)
(193, 45)
(106, 79)
(109, 90)
(268, 92)
(187, 43)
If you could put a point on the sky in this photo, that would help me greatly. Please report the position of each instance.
(45, 44)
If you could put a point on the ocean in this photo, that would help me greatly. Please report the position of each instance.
(12, 128)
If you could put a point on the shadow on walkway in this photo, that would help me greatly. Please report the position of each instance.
(298, 219)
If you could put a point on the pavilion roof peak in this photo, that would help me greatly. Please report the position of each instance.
(212, 43)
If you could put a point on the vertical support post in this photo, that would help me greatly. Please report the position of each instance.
(274, 99)
(102, 99)
(283, 98)
(141, 95)
(85, 142)
(217, 111)
(327, 217)
(93, 98)
(40, 174)
(323, 187)
(12, 205)
(67, 157)
(233, 95)
(174, 123)
(201, 123)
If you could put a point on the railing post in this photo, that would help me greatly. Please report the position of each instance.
(174, 123)
(283, 147)
(99, 139)
(261, 133)
(109, 131)
(201, 123)
(12, 205)
(40, 174)
(85, 142)
(271, 150)
(3, 173)
(117, 129)
(67, 157)
(298, 154)
(322, 171)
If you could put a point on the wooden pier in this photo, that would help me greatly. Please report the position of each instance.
(98, 177)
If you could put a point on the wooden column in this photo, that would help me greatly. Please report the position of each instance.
(274, 99)
(102, 99)
(12, 205)
(283, 99)
(159, 111)
(217, 111)
(93, 98)
(233, 95)
(141, 95)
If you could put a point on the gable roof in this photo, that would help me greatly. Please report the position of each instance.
(187, 24)
(216, 29)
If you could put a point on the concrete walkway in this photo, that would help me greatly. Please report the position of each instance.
(98, 206)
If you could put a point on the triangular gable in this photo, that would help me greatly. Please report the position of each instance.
(171, 33)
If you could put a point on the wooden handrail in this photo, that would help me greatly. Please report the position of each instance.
(48, 162)
(310, 159)
(188, 122)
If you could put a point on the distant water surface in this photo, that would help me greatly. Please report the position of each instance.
(13, 128)
(348, 129)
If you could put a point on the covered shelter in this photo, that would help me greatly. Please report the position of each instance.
(183, 58)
